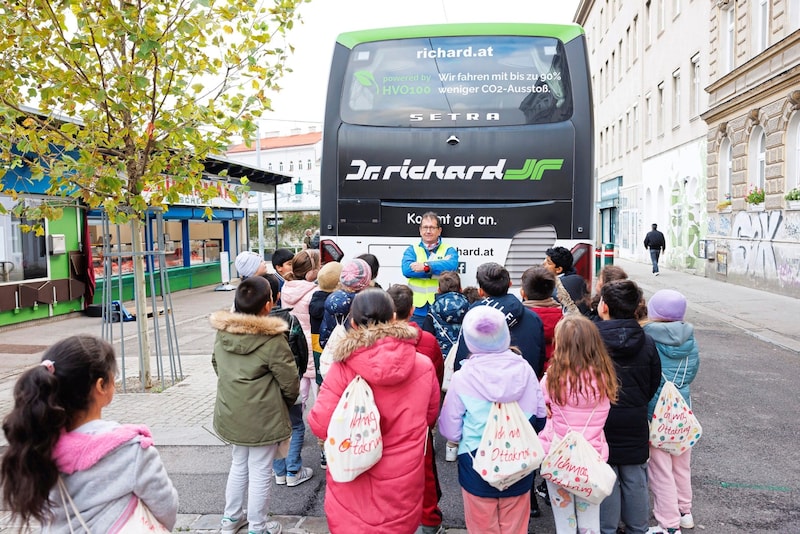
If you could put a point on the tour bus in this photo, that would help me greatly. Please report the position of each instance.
(488, 125)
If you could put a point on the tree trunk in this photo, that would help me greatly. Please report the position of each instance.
(140, 294)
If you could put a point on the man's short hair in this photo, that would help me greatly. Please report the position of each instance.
(449, 281)
(561, 257)
(493, 278)
(538, 283)
(403, 298)
(655, 226)
(622, 298)
(252, 295)
(281, 256)
(431, 215)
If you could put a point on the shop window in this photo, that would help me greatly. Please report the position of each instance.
(23, 255)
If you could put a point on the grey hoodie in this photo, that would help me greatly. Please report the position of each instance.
(103, 482)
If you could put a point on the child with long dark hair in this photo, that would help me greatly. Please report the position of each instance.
(59, 447)
(579, 387)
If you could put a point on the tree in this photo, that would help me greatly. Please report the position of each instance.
(127, 92)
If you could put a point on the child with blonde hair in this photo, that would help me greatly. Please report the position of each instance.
(579, 387)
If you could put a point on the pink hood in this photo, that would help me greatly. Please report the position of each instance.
(76, 451)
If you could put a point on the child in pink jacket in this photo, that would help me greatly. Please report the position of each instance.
(578, 388)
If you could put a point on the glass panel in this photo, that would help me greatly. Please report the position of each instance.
(457, 81)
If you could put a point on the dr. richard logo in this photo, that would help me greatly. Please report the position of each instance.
(532, 170)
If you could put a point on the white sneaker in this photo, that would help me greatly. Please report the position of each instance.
(301, 476)
(687, 521)
(661, 530)
(231, 526)
(280, 480)
(451, 453)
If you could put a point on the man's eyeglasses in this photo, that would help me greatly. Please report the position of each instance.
(428, 228)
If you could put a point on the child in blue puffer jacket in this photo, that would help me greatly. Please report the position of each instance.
(669, 476)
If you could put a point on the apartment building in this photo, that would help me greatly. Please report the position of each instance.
(649, 61)
(753, 119)
(295, 153)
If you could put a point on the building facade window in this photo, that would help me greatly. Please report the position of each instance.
(725, 170)
(635, 139)
(649, 117)
(696, 88)
(676, 98)
(23, 255)
(291, 166)
(793, 152)
(280, 166)
(660, 110)
(761, 25)
(729, 39)
(308, 166)
(757, 151)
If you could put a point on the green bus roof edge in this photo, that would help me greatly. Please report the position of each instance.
(563, 32)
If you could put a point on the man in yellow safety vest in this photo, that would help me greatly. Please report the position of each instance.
(424, 262)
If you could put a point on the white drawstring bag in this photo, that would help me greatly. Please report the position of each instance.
(354, 442)
(576, 466)
(509, 450)
(326, 357)
(674, 427)
(449, 366)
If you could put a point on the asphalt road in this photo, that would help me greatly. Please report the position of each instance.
(745, 472)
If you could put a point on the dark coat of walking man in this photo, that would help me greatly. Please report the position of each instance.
(655, 242)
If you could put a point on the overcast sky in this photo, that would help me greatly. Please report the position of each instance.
(303, 94)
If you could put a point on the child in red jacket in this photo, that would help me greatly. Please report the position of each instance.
(427, 345)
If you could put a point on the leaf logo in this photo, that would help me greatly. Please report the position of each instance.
(366, 79)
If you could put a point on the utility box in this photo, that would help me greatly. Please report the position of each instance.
(57, 244)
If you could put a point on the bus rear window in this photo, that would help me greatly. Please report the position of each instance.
(457, 81)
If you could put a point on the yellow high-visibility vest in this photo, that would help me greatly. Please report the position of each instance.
(425, 288)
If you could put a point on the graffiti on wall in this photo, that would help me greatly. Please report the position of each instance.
(752, 252)
(763, 248)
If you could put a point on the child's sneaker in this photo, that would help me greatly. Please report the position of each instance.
(280, 480)
(687, 521)
(541, 491)
(450, 452)
(323, 462)
(273, 527)
(301, 476)
(231, 526)
(661, 530)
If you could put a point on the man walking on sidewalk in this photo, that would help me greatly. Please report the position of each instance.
(655, 242)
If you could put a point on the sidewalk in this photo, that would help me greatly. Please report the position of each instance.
(181, 415)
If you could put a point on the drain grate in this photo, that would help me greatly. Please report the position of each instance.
(21, 349)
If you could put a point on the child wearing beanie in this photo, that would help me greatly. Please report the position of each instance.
(670, 477)
(249, 263)
(355, 276)
(493, 373)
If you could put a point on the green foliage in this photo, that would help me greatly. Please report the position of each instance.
(290, 231)
(794, 194)
(126, 93)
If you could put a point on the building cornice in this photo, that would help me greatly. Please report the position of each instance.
(754, 80)
(582, 12)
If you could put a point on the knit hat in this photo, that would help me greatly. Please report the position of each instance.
(328, 277)
(356, 275)
(666, 305)
(485, 330)
(247, 263)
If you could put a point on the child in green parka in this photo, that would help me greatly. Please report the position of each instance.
(257, 381)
